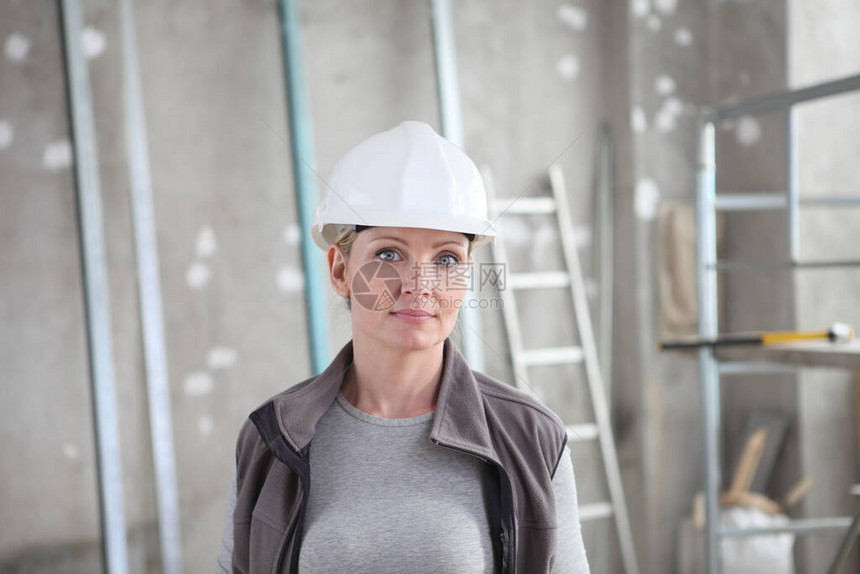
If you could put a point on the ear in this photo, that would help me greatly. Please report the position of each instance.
(337, 271)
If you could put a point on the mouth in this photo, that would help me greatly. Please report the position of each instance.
(413, 315)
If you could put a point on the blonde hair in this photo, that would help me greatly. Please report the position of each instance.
(347, 236)
(345, 239)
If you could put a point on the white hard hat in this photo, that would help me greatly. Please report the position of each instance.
(408, 176)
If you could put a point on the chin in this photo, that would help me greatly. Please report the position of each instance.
(390, 332)
(411, 337)
(415, 340)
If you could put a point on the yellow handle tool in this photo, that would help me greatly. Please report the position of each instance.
(839, 332)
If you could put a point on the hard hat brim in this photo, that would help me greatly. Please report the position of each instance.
(325, 234)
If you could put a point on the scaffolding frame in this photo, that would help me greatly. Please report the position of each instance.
(708, 203)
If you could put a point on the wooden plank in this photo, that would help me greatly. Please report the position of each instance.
(748, 463)
(798, 492)
(777, 425)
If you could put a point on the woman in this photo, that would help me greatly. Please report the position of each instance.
(398, 458)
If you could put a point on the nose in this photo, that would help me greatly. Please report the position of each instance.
(419, 280)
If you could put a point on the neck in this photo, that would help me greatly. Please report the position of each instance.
(392, 383)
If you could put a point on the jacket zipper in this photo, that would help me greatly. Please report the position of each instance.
(283, 550)
(298, 536)
(507, 502)
(304, 482)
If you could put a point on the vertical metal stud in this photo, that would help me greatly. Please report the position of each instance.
(96, 292)
(151, 307)
(605, 252)
(301, 138)
(452, 129)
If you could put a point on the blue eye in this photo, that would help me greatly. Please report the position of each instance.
(449, 260)
(386, 252)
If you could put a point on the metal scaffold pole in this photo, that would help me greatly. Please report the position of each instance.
(709, 393)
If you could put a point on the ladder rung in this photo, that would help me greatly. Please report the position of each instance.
(524, 206)
(582, 432)
(749, 201)
(538, 280)
(595, 511)
(778, 200)
(552, 356)
(754, 367)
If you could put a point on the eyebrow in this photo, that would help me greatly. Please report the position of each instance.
(437, 245)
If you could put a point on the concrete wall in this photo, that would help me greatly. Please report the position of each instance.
(230, 269)
(822, 47)
(212, 76)
(536, 79)
(667, 47)
(46, 443)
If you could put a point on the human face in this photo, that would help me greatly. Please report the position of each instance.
(417, 305)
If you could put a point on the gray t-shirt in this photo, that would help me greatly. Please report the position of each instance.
(384, 499)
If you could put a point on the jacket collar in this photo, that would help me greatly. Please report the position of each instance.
(459, 420)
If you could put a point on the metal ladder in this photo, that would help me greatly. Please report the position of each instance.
(522, 358)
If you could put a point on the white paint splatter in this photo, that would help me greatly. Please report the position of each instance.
(582, 236)
(640, 8)
(683, 37)
(653, 23)
(7, 134)
(646, 200)
(666, 6)
(198, 275)
(744, 78)
(638, 121)
(728, 125)
(70, 451)
(667, 116)
(198, 384)
(664, 85)
(664, 120)
(748, 132)
(206, 244)
(292, 234)
(573, 16)
(17, 47)
(291, 280)
(92, 42)
(57, 155)
(221, 358)
(674, 105)
(568, 67)
(205, 425)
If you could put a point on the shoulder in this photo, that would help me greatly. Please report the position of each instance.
(500, 395)
(250, 443)
(525, 417)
